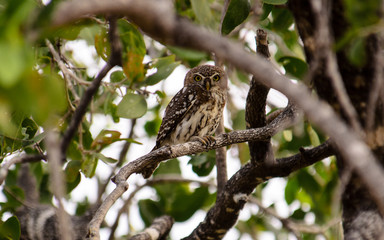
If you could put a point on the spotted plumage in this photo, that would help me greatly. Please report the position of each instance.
(195, 111)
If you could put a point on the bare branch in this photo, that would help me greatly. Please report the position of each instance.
(221, 161)
(158, 230)
(19, 159)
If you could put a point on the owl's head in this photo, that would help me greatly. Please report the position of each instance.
(210, 77)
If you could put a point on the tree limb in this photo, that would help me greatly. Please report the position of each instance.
(158, 230)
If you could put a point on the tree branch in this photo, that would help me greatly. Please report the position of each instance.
(19, 159)
(78, 115)
(157, 231)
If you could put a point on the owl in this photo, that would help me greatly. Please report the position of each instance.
(195, 111)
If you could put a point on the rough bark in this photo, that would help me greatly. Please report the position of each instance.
(361, 218)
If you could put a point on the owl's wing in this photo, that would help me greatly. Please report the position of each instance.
(178, 107)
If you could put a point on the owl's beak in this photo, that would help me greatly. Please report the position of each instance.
(207, 84)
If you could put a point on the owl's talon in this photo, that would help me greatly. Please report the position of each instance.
(207, 141)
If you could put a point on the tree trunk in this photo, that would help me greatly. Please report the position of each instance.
(361, 218)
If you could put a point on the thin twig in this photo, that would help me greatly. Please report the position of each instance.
(67, 74)
(221, 153)
(295, 227)
(376, 89)
(120, 162)
(19, 159)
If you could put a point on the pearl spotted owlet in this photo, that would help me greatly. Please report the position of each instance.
(195, 111)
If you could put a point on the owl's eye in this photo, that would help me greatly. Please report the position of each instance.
(197, 78)
(216, 78)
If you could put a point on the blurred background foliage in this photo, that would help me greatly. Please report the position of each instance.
(37, 93)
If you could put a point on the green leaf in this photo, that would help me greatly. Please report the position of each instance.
(30, 128)
(202, 164)
(238, 11)
(356, 52)
(102, 45)
(72, 185)
(89, 166)
(298, 214)
(72, 170)
(164, 66)
(105, 138)
(203, 13)
(105, 159)
(362, 13)
(132, 106)
(275, 2)
(188, 54)
(309, 183)
(133, 51)
(117, 76)
(267, 8)
(149, 210)
(186, 204)
(152, 127)
(170, 167)
(282, 19)
(12, 64)
(10, 229)
(294, 66)
(291, 189)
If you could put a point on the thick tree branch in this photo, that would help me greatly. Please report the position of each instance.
(255, 115)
